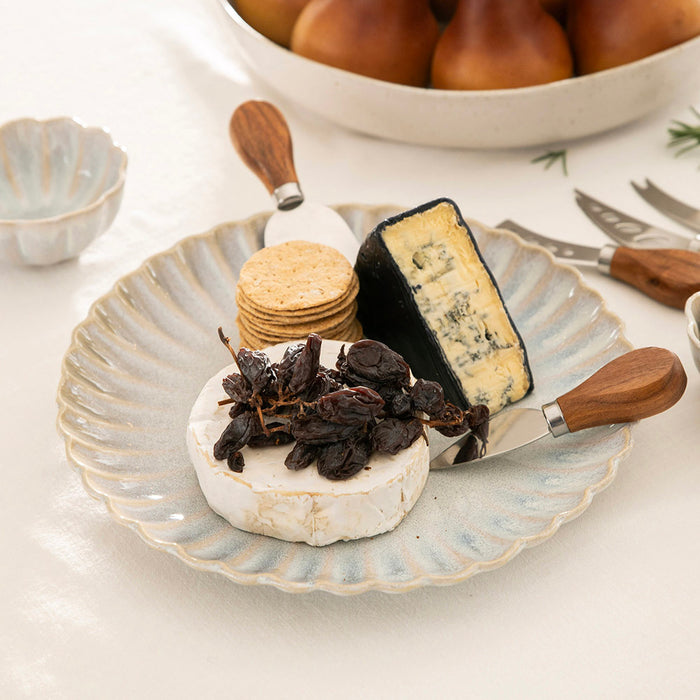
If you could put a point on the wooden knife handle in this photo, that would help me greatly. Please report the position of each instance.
(260, 135)
(668, 275)
(638, 384)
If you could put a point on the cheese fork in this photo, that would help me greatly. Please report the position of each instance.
(628, 231)
(679, 211)
(667, 275)
(638, 384)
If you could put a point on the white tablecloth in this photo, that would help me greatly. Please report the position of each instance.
(608, 607)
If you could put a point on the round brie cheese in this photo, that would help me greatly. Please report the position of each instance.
(300, 506)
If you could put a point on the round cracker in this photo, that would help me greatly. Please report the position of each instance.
(327, 323)
(295, 275)
(310, 313)
(292, 333)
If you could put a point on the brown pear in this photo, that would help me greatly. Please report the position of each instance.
(605, 34)
(386, 39)
(556, 8)
(272, 18)
(492, 44)
(443, 9)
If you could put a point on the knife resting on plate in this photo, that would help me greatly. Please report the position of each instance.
(668, 275)
(261, 137)
(638, 384)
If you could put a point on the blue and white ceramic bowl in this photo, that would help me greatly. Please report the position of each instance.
(692, 312)
(61, 184)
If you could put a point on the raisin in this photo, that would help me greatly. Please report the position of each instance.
(255, 367)
(452, 421)
(427, 396)
(279, 435)
(316, 431)
(394, 434)
(354, 406)
(306, 365)
(478, 419)
(235, 462)
(300, 456)
(341, 460)
(468, 451)
(285, 368)
(323, 384)
(376, 363)
(237, 387)
(401, 405)
(236, 434)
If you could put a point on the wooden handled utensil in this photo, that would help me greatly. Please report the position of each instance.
(636, 385)
(261, 136)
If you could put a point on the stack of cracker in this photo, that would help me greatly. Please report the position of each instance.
(290, 290)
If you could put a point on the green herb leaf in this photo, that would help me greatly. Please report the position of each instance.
(551, 157)
(684, 136)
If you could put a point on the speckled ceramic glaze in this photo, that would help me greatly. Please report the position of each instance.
(138, 361)
(558, 111)
(61, 185)
(692, 314)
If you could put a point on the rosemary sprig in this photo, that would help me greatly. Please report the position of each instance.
(687, 136)
(551, 157)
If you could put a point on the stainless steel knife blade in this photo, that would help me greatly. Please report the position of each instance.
(679, 211)
(570, 252)
(631, 232)
(508, 431)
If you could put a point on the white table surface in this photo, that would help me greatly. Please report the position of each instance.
(608, 607)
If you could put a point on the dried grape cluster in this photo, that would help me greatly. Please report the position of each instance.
(339, 416)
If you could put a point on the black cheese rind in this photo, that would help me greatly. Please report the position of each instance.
(389, 310)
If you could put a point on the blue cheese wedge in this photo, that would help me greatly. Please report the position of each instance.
(300, 506)
(427, 293)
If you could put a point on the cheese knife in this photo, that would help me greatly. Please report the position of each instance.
(668, 275)
(261, 137)
(679, 211)
(638, 384)
(628, 231)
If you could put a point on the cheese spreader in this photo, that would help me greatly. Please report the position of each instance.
(668, 275)
(261, 137)
(638, 384)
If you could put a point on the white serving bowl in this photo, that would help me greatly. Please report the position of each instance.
(692, 312)
(61, 184)
(529, 116)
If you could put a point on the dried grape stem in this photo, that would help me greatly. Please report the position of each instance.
(227, 342)
(258, 407)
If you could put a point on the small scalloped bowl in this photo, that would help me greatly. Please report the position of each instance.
(61, 185)
(692, 312)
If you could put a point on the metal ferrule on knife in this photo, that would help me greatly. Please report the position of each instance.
(288, 196)
(555, 419)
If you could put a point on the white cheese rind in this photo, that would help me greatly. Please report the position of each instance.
(300, 506)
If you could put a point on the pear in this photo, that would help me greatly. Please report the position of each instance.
(605, 34)
(491, 44)
(390, 40)
(272, 18)
(556, 8)
(443, 9)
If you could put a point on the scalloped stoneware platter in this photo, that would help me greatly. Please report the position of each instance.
(138, 361)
